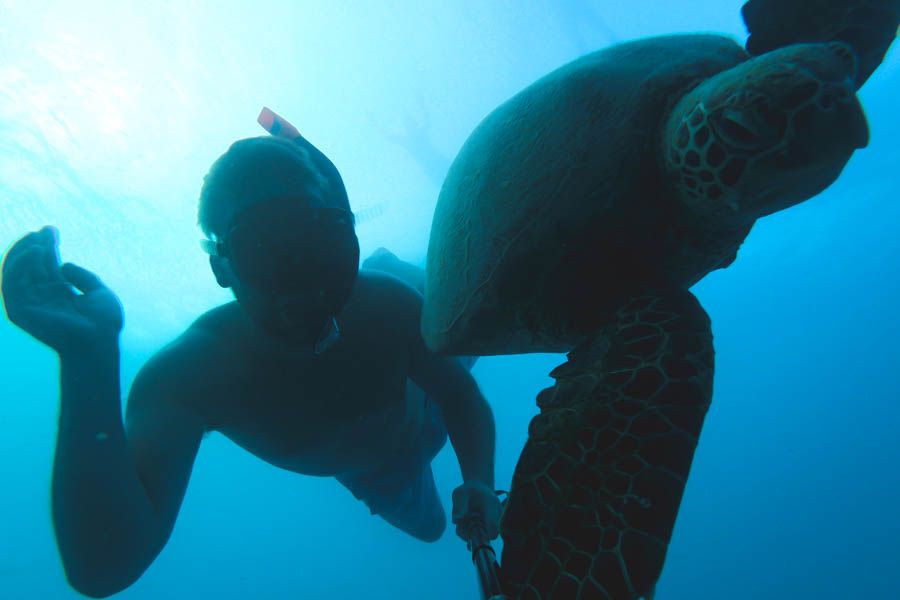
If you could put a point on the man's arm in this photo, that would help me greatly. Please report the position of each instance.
(467, 416)
(116, 496)
(466, 413)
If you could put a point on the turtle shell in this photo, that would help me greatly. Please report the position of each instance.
(556, 205)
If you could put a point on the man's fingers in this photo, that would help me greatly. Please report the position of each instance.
(34, 299)
(80, 278)
(32, 253)
(476, 504)
(460, 509)
(492, 528)
(23, 268)
(18, 247)
(50, 256)
(466, 528)
(46, 236)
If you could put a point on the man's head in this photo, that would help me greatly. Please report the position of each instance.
(281, 235)
(265, 167)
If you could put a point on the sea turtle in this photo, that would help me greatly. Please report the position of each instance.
(576, 217)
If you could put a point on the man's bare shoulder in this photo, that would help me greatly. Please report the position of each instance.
(202, 340)
(185, 369)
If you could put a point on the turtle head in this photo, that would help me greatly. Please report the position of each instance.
(765, 135)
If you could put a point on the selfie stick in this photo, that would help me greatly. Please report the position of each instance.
(485, 563)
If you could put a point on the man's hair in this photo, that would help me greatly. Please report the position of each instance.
(260, 168)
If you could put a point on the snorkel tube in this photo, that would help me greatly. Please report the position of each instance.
(277, 126)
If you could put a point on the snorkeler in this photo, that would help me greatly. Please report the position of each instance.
(316, 367)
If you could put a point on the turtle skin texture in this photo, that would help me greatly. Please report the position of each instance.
(598, 485)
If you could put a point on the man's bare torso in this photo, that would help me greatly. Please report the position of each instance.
(345, 411)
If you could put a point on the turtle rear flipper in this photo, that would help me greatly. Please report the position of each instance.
(868, 26)
(597, 487)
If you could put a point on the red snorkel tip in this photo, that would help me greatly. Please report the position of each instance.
(276, 125)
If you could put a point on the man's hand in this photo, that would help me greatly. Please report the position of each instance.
(64, 306)
(476, 504)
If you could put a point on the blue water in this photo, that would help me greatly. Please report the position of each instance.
(110, 114)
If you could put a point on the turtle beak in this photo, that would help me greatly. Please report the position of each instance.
(863, 134)
(836, 120)
(854, 120)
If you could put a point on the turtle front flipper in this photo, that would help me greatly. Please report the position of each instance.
(597, 487)
(868, 26)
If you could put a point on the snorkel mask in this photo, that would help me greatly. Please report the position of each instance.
(302, 260)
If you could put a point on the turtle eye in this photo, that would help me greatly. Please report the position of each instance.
(740, 130)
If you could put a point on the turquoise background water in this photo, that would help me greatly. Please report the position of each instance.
(110, 114)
